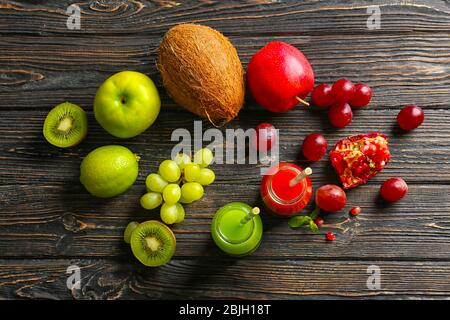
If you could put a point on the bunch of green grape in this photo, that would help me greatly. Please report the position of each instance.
(179, 181)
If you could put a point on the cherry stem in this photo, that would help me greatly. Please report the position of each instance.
(253, 213)
(302, 175)
(302, 101)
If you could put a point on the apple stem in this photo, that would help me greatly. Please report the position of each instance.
(302, 101)
(253, 213)
(302, 175)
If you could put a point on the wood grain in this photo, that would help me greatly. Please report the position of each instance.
(45, 221)
(401, 69)
(419, 156)
(200, 279)
(48, 221)
(232, 17)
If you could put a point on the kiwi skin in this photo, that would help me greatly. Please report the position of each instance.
(66, 125)
(153, 243)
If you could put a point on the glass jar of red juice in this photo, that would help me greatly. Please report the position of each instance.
(286, 189)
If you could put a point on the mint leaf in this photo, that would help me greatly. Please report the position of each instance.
(314, 228)
(298, 221)
(315, 213)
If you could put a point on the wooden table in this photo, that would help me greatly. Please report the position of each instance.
(48, 222)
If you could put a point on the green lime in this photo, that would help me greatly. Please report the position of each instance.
(109, 171)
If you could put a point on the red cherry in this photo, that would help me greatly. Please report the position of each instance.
(362, 96)
(321, 96)
(314, 146)
(277, 75)
(319, 221)
(393, 189)
(266, 136)
(330, 198)
(330, 236)
(340, 115)
(410, 117)
(355, 211)
(343, 90)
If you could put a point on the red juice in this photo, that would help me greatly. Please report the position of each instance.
(281, 198)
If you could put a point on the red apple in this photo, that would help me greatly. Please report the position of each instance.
(278, 75)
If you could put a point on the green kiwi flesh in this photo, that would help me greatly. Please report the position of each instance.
(65, 125)
(153, 243)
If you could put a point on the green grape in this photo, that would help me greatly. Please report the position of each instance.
(181, 213)
(206, 177)
(183, 200)
(155, 182)
(169, 170)
(192, 191)
(203, 157)
(182, 159)
(172, 193)
(151, 200)
(169, 213)
(129, 230)
(191, 172)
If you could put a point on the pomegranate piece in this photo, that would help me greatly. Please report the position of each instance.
(358, 158)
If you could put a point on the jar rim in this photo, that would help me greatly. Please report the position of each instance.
(276, 198)
(225, 238)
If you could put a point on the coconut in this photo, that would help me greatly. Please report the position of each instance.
(202, 72)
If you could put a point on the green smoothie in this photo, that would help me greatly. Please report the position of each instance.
(237, 229)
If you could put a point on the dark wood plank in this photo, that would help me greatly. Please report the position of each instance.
(48, 221)
(45, 212)
(234, 17)
(401, 69)
(419, 156)
(238, 279)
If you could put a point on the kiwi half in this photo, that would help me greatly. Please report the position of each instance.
(66, 125)
(153, 243)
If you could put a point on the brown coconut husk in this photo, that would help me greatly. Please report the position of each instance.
(202, 72)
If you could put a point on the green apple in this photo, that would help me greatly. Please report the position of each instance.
(127, 104)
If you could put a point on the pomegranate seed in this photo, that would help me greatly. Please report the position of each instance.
(319, 221)
(330, 236)
(355, 211)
